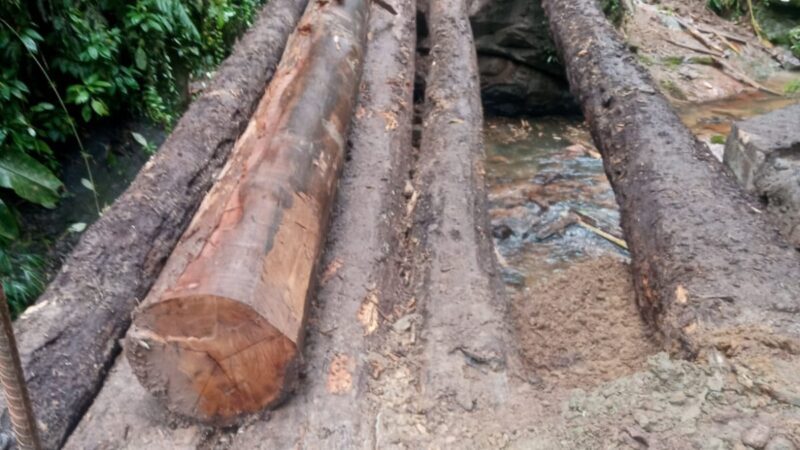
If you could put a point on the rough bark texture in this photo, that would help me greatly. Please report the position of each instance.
(220, 332)
(360, 253)
(707, 265)
(69, 339)
(463, 302)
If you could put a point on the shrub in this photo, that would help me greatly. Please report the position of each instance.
(66, 64)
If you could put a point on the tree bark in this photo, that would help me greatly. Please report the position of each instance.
(707, 265)
(220, 333)
(462, 297)
(68, 340)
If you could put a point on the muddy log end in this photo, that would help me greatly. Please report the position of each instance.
(211, 358)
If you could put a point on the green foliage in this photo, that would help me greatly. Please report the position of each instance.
(794, 40)
(22, 275)
(614, 10)
(718, 139)
(728, 8)
(792, 87)
(65, 64)
(672, 62)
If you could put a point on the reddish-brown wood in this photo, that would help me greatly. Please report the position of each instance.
(220, 333)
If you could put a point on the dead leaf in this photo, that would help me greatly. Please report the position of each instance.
(340, 374)
(330, 271)
(368, 313)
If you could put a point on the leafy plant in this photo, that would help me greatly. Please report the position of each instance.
(792, 87)
(23, 277)
(67, 64)
(718, 139)
(614, 10)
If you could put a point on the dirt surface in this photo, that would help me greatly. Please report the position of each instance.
(580, 326)
(68, 340)
(661, 34)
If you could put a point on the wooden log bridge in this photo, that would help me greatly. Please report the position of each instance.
(220, 333)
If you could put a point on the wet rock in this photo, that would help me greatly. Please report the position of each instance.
(519, 70)
(510, 88)
(764, 155)
(502, 231)
(780, 443)
(756, 436)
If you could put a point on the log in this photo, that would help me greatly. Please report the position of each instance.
(219, 335)
(706, 264)
(68, 340)
(461, 296)
(361, 249)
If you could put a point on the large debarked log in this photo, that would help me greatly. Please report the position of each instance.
(220, 333)
(706, 264)
(68, 340)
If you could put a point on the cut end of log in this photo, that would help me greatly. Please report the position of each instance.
(211, 358)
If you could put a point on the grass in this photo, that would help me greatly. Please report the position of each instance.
(792, 87)
(718, 139)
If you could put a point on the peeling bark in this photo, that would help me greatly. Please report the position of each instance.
(707, 265)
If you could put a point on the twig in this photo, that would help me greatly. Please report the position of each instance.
(695, 49)
(84, 155)
(607, 236)
(733, 37)
(756, 26)
(699, 36)
(730, 44)
(742, 78)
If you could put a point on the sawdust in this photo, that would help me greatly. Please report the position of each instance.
(580, 326)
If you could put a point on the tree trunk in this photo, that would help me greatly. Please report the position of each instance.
(463, 300)
(220, 333)
(68, 340)
(706, 263)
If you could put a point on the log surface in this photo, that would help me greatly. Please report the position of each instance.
(706, 263)
(220, 333)
(68, 340)
(463, 301)
(359, 248)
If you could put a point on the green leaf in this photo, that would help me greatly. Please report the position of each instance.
(29, 43)
(87, 184)
(86, 113)
(82, 97)
(141, 140)
(141, 59)
(99, 107)
(77, 227)
(9, 228)
(29, 178)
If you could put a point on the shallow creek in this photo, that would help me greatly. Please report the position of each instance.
(555, 224)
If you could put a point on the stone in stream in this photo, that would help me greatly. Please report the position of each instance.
(764, 154)
(518, 69)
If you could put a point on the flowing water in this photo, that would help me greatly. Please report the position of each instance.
(555, 223)
(546, 183)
